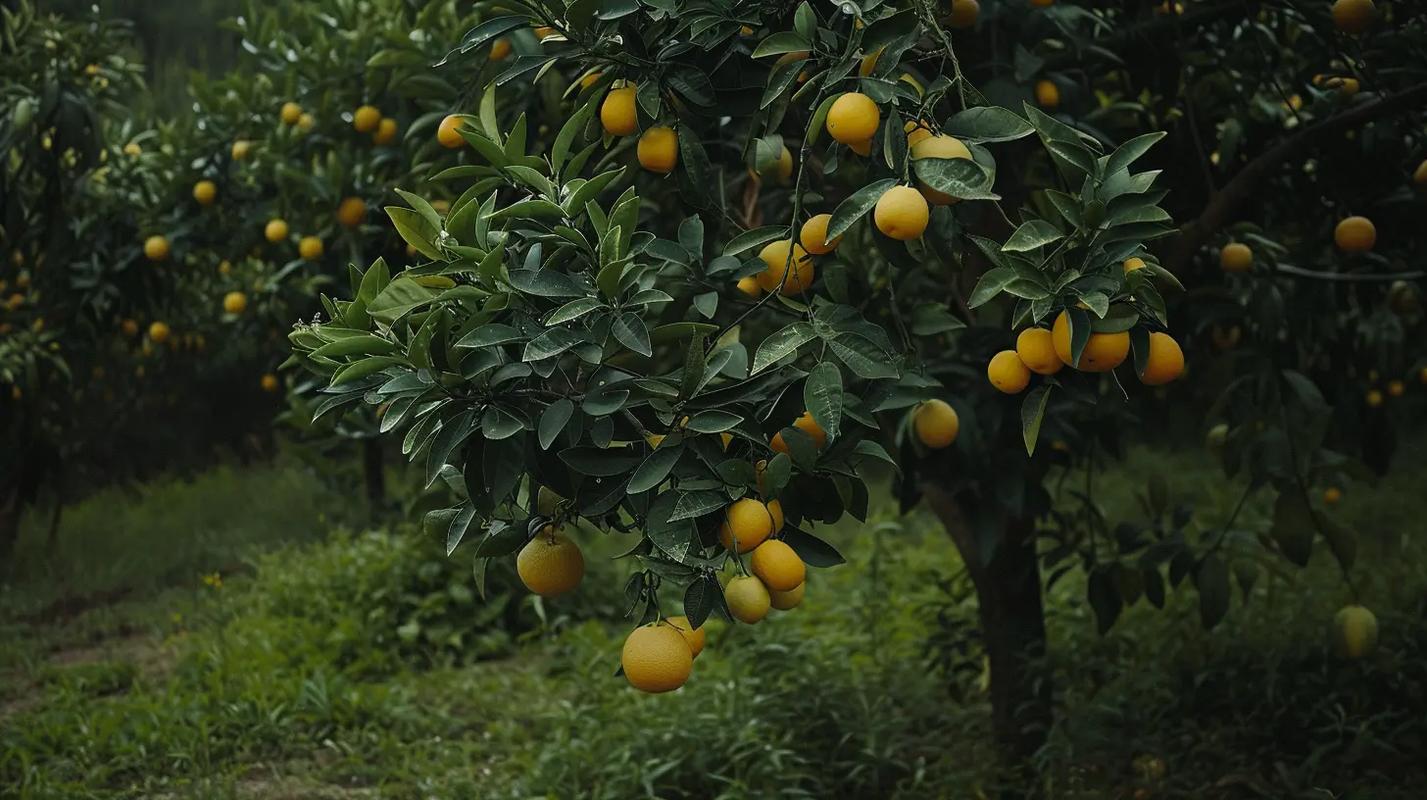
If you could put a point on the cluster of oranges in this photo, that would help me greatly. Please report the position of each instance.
(1046, 352)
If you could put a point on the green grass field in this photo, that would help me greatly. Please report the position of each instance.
(219, 638)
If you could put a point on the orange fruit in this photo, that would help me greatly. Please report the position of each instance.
(853, 117)
(1165, 361)
(448, 132)
(551, 564)
(1007, 373)
(656, 658)
(777, 566)
(1102, 353)
(813, 235)
(1036, 349)
(1355, 235)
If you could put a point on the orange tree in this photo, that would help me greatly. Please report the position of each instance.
(150, 263)
(330, 107)
(711, 267)
(65, 87)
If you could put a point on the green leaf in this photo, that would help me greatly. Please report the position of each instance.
(779, 43)
(856, 206)
(697, 504)
(993, 282)
(553, 421)
(864, 357)
(416, 231)
(364, 344)
(1104, 596)
(781, 344)
(958, 177)
(1031, 235)
(1127, 153)
(702, 598)
(1032, 414)
(1293, 526)
(1341, 539)
(822, 396)
(813, 551)
(987, 124)
(713, 421)
(570, 311)
(655, 468)
(576, 123)
(400, 297)
(552, 342)
(629, 329)
(754, 238)
(492, 333)
(361, 369)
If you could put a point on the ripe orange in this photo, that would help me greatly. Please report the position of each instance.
(1007, 373)
(1353, 16)
(291, 112)
(310, 248)
(748, 521)
(158, 332)
(156, 248)
(1165, 361)
(235, 302)
(268, 382)
(807, 425)
(204, 192)
(1102, 353)
(658, 149)
(656, 658)
(448, 132)
(1395, 388)
(901, 213)
(275, 231)
(694, 636)
(1036, 349)
(777, 566)
(1132, 264)
(853, 118)
(1236, 257)
(789, 279)
(500, 50)
(385, 133)
(1332, 495)
(617, 112)
(351, 212)
(749, 286)
(366, 118)
(1047, 94)
(1373, 398)
(550, 564)
(963, 13)
(936, 423)
(1355, 235)
(917, 131)
(813, 235)
(747, 599)
(790, 599)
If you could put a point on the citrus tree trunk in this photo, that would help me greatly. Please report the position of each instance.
(1012, 616)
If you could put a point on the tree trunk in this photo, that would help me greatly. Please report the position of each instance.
(10, 507)
(374, 471)
(1008, 594)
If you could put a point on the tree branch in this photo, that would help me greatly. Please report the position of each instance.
(1225, 203)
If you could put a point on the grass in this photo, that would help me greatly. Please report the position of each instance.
(360, 665)
(129, 542)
